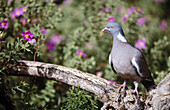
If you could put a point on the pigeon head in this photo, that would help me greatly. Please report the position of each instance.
(112, 27)
(116, 30)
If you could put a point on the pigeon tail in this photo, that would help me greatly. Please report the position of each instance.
(148, 83)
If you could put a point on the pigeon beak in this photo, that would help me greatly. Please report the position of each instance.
(105, 29)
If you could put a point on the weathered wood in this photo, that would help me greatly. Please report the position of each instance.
(159, 98)
(103, 89)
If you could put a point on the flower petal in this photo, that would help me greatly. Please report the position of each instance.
(23, 33)
(28, 32)
(114, 82)
(32, 41)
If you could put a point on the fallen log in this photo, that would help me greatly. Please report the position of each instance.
(107, 93)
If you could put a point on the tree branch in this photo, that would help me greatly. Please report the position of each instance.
(103, 89)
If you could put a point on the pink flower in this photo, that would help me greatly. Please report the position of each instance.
(18, 12)
(125, 17)
(139, 10)
(141, 44)
(32, 41)
(24, 9)
(28, 36)
(109, 9)
(114, 82)
(103, 11)
(56, 39)
(159, 0)
(34, 21)
(67, 2)
(12, 15)
(163, 25)
(141, 21)
(131, 10)
(111, 19)
(81, 53)
(43, 30)
(51, 46)
(23, 21)
(4, 24)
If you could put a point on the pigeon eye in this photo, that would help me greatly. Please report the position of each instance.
(111, 26)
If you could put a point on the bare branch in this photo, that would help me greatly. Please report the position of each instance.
(103, 89)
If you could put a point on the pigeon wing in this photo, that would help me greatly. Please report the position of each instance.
(111, 64)
(140, 66)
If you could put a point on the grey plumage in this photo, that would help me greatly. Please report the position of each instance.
(126, 60)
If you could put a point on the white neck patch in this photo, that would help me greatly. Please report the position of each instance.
(121, 38)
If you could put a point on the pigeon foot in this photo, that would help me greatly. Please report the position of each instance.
(123, 93)
(135, 91)
(122, 86)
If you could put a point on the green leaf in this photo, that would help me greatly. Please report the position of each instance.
(47, 99)
(21, 90)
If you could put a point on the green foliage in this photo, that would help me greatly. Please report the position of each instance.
(19, 90)
(79, 100)
(79, 25)
(160, 53)
(46, 97)
(15, 50)
(22, 92)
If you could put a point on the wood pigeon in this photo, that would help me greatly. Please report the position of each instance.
(128, 61)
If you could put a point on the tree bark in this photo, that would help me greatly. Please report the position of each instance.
(108, 93)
